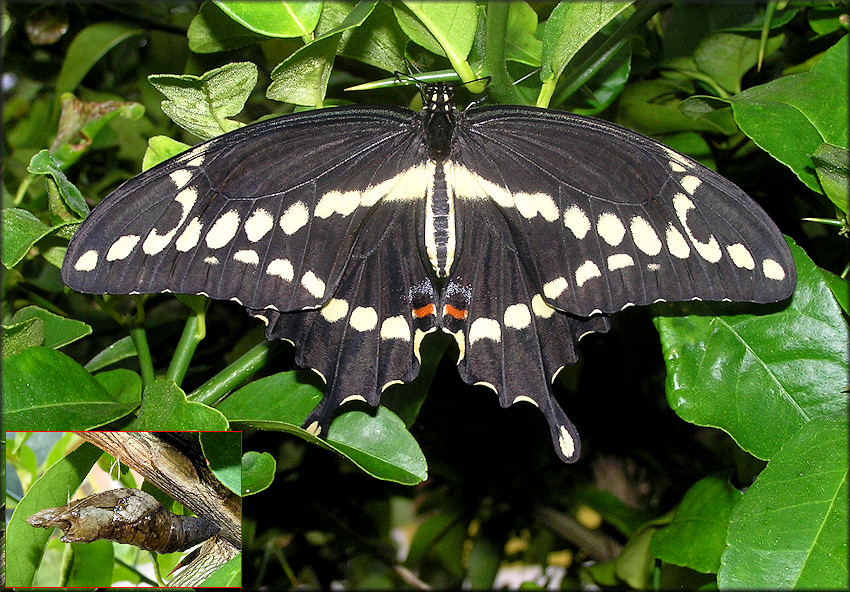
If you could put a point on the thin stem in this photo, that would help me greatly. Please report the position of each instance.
(194, 332)
(235, 374)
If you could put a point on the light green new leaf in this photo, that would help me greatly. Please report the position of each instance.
(444, 28)
(202, 104)
(567, 30)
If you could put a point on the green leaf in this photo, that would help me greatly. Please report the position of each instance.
(91, 566)
(752, 375)
(790, 529)
(634, 565)
(651, 107)
(160, 149)
(120, 350)
(833, 172)
(379, 41)
(570, 26)
(88, 46)
(521, 44)
(223, 451)
(165, 408)
(378, 444)
(257, 472)
(443, 28)
(274, 19)
(696, 537)
(21, 230)
(228, 575)
(125, 385)
(791, 117)
(25, 544)
(212, 30)
(202, 104)
(43, 164)
(45, 388)
(19, 336)
(302, 78)
(58, 331)
(726, 57)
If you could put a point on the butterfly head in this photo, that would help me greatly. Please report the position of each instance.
(439, 118)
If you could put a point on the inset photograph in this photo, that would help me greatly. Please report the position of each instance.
(123, 509)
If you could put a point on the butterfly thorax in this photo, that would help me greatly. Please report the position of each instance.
(438, 120)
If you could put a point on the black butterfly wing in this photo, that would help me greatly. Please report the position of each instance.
(265, 215)
(367, 336)
(604, 218)
(509, 338)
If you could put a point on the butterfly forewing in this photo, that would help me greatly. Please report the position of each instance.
(604, 218)
(265, 215)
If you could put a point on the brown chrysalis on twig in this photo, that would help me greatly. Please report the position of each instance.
(128, 516)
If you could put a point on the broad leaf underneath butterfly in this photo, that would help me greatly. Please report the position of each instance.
(353, 232)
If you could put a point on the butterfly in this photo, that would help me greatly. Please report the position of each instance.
(354, 232)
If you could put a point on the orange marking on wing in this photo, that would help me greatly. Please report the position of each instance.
(455, 313)
(424, 311)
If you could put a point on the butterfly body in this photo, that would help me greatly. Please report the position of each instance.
(354, 232)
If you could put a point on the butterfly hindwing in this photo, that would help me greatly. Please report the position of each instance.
(366, 337)
(604, 218)
(510, 340)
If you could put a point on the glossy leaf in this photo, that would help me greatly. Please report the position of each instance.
(790, 529)
(696, 537)
(754, 375)
(568, 29)
(257, 472)
(228, 575)
(833, 172)
(790, 117)
(44, 164)
(125, 385)
(302, 78)
(274, 19)
(378, 444)
(21, 230)
(45, 388)
(120, 350)
(58, 331)
(223, 451)
(165, 408)
(213, 30)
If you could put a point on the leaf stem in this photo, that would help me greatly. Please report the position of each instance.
(235, 374)
(194, 332)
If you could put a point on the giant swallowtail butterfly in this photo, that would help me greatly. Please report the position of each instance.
(353, 232)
